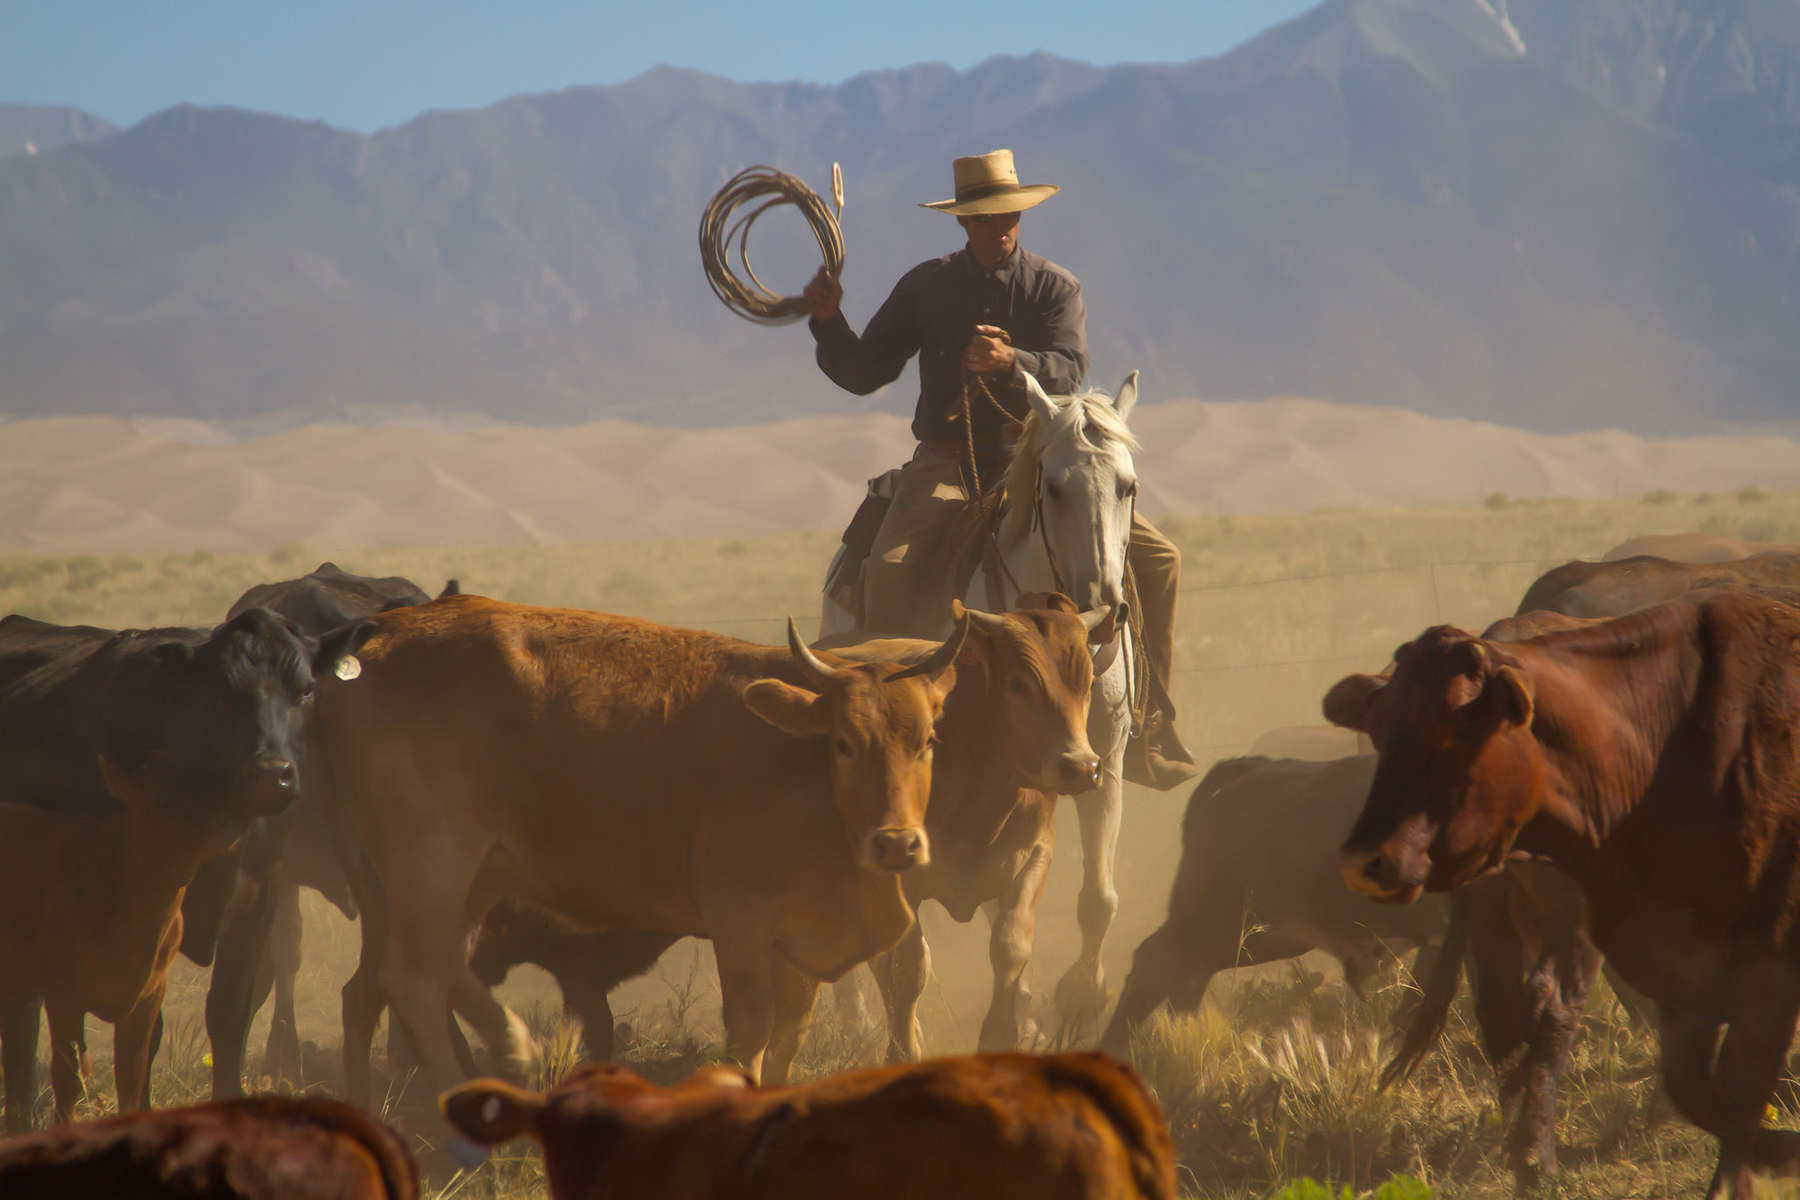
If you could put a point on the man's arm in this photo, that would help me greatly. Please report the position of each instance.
(862, 364)
(1061, 363)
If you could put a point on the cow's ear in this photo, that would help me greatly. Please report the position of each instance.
(788, 708)
(490, 1111)
(1348, 701)
(1512, 691)
(337, 649)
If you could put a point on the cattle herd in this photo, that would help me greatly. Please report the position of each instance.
(1608, 779)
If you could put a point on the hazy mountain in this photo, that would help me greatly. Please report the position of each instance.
(33, 129)
(1546, 214)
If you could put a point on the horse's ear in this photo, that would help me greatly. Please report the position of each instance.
(1127, 397)
(1041, 403)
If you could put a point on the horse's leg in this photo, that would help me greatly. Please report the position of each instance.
(1081, 992)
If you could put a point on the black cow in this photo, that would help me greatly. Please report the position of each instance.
(246, 904)
(1258, 882)
(126, 761)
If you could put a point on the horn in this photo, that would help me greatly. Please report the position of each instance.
(1093, 618)
(814, 666)
(941, 658)
(986, 620)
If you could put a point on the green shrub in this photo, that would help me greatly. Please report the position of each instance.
(1400, 1187)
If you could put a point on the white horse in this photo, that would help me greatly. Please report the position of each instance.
(1072, 488)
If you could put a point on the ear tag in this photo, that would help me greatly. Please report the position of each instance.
(348, 667)
(490, 1109)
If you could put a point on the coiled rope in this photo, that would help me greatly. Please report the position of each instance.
(721, 229)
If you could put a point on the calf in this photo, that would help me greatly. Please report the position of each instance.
(1258, 882)
(268, 1148)
(1654, 759)
(246, 904)
(999, 1126)
(622, 774)
(126, 761)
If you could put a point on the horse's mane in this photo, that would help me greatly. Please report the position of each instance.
(1091, 420)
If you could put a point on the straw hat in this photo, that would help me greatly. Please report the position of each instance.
(988, 183)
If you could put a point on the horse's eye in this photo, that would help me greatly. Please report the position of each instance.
(1128, 489)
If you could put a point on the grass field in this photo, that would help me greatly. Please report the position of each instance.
(1275, 1078)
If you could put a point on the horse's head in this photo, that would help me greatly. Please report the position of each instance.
(1073, 477)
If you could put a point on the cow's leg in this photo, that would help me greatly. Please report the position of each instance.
(1081, 992)
(500, 1029)
(1750, 1062)
(363, 1001)
(747, 997)
(1557, 992)
(847, 995)
(133, 1038)
(1497, 977)
(1014, 924)
(67, 1038)
(233, 993)
(794, 995)
(18, 1058)
(1154, 965)
(281, 1057)
(902, 974)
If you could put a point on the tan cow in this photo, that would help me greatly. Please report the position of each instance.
(1014, 738)
(621, 773)
(997, 1126)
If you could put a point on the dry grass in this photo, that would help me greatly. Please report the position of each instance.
(1275, 1078)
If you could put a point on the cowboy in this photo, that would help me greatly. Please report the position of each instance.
(999, 312)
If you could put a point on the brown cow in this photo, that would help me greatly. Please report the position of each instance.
(1612, 589)
(1258, 883)
(621, 774)
(266, 1148)
(1654, 759)
(1694, 548)
(1016, 718)
(999, 1126)
(1013, 737)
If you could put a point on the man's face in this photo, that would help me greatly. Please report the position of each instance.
(992, 237)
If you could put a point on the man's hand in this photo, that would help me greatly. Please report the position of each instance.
(824, 292)
(988, 351)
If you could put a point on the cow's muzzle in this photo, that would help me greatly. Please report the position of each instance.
(1380, 875)
(897, 849)
(274, 784)
(1077, 773)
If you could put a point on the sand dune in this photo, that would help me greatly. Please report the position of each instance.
(116, 485)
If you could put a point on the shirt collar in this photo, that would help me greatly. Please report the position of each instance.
(1003, 271)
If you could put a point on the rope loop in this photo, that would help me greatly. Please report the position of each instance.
(722, 230)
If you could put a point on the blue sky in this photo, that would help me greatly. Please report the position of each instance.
(371, 65)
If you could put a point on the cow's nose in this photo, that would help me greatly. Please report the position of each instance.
(898, 849)
(278, 779)
(1376, 874)
(1080, 773)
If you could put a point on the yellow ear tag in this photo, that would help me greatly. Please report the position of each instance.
(348, 667)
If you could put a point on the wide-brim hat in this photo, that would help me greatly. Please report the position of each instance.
(989, 183)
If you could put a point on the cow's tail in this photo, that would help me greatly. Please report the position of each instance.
(1131, 1109)
(1438, 991)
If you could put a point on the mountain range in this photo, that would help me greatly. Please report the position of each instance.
(1548, 214)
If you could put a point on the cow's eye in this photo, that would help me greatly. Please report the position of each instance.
(1053, 491)
(1017, 685)
(843, 747)
(306, 694)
